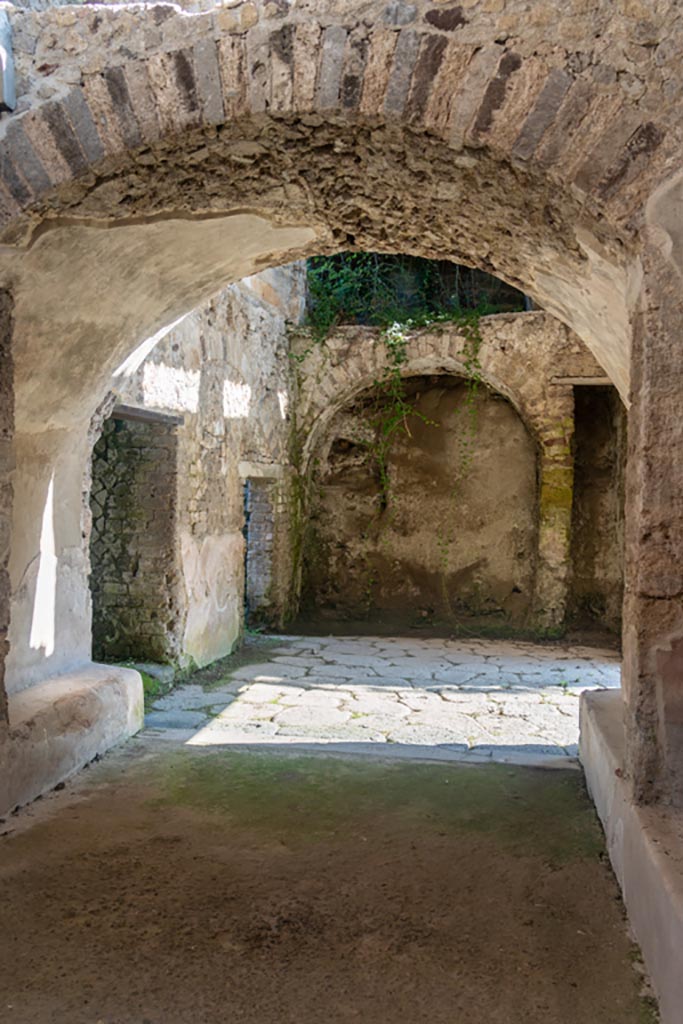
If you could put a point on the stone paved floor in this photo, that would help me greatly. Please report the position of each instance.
(474, 699)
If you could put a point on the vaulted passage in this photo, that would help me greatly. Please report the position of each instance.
(160, 169)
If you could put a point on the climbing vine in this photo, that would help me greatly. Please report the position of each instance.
(400, 295)
(392, 408)
(379, 290)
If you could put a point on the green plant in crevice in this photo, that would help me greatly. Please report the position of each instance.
(443, 547)
(370, 580)
(392, 409)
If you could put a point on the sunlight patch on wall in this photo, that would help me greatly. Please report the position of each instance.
(169, 387)
(44, 602)
(236, 400)
(134, 361)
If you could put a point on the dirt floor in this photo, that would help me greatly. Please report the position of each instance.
(169, 885)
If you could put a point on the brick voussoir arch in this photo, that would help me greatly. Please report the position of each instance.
(379, 126)
(407, 64)
(519, 356)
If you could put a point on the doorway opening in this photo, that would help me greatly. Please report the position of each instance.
(133, 551)
(260, 543)
(597, 548)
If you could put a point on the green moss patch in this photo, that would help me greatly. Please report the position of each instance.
(303, 799)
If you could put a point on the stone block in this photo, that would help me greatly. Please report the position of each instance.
(331, 66)
(258, 65)
(55, 119)
(543, 113)
(60, 725)
(82, 122)
(142, 101)
(281, 73)
(22, 155)
(232, 63)
(398, 13)
(208, 81)
(427, 65)
(382, 45)
(306, 42)
(13, 181)
(405, 55)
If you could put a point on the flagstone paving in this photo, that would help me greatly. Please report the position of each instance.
(475, 699)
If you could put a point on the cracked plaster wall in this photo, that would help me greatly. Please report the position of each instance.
(531, 359)
(225, 370)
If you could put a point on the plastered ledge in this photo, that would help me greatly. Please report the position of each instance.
(57, 726)
(645, 846)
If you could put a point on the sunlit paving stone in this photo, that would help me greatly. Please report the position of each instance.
(267, 692)
(386, 702)
(499, 700)
(243, 710)
(316, 698)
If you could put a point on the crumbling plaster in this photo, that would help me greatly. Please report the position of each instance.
(527, 357)
(224, 370)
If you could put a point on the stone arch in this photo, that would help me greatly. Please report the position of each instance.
(360, 358)
(519, 355)
(503, 153)
(248, 136)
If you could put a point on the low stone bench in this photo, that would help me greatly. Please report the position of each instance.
(60, 725)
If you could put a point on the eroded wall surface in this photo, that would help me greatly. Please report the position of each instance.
(224, 370)
(497, 545)
(134, 576)
(459, 536)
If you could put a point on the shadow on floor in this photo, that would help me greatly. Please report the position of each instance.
(187, 885)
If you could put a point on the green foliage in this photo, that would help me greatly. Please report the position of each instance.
(378, 290)
(392, 408)
(401, 294)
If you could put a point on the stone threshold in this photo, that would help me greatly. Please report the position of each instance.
(58, 726)
(384, 751)
(645, 846)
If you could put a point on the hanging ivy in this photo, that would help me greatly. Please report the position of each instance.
(379, 290)
(401, 294)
